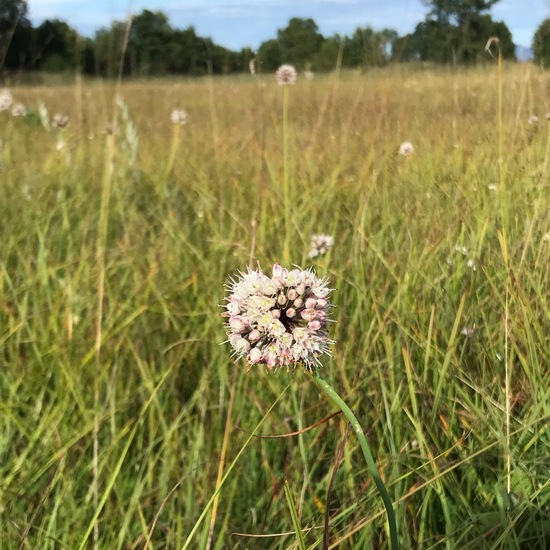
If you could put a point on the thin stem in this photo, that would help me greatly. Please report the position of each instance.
(286, 186)
(500, 139)
(356, 427)
(176, 130)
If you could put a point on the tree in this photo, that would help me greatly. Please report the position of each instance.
(456, 31)
(149, 37)
(56, 45)
(299, 41)
(457, 12)
(108, 50)
(270, 55)
(15, 34)
(541, 44)
(368, 48)
(326, 59)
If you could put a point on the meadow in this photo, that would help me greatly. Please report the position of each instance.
(124, 420)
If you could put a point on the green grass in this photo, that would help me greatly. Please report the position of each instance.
(151, 388)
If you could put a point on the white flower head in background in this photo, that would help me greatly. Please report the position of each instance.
(320, 244)
(406, 149)
(18, 109)
(252, 66)
(286, 75)
(6, 99)
(59, 120)
(178, 116)
(278, 321)
(533, 120)
(308, 74)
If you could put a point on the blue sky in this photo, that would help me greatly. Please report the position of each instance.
(239, 23)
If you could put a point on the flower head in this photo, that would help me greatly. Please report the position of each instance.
(320, 244)
(278, 321)
(533, 120)
(179, 116)
(406, 149)
(286, 75)
(252, 66)
(6, 99)
(60, 120)
(18, 109)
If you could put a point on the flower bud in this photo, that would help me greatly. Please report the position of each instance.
(298, 302)
(254, 335)
(291, 312)
(241, 345)
(255, 355)
(308, 314)
(311, 303)
(292, 294)
(236, 325)
(233, 308)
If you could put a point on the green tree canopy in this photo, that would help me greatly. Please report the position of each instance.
(541, 44)
(299, 41)
(270, 55)
(56, 46)
(149, 37)
(15, 34)
(456, 31)
(457, 12)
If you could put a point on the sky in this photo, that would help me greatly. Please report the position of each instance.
(239, 23)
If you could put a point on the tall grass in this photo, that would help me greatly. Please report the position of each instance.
(423, 338)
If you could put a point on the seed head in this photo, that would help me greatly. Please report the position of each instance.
(18, 109)
(60, 120)
(320, 244)
(179, 116)
(286, 75)
(406, 149)
(6, 99)
(278, 321)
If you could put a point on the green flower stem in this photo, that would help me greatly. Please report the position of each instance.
(331, 394)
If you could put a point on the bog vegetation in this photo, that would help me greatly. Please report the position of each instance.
(121, 411)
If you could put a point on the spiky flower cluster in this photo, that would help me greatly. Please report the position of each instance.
(178, 116)
(320, 244)
(286, 75)
(279, 321)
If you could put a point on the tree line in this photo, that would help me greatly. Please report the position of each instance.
(454, 31)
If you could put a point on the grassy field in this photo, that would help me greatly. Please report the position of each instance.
(119, 409)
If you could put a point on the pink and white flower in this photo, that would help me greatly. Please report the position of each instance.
(278, 321)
